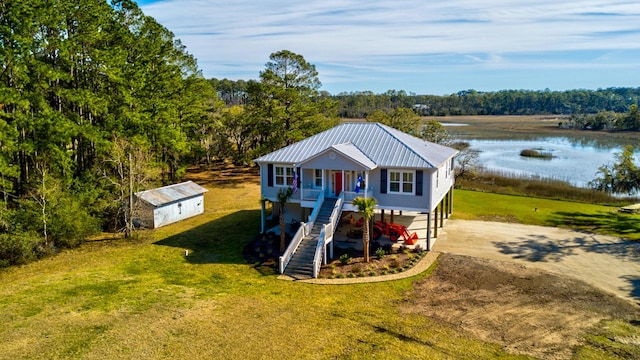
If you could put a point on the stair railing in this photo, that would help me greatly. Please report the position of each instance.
(283, 260)
(317, 258)
(316, 210)
(326, 235)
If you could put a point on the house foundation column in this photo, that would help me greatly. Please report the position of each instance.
(435, 222)
(262, 216)
(428, 231)
(446, 199)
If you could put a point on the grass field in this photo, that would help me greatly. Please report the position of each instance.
(534, 211)
(142, 298)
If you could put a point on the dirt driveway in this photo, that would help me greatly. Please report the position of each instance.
(534, 290)
(605, 262)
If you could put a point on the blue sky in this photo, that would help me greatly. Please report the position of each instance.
(422, 47)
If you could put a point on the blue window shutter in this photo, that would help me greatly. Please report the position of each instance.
(383, 181)
(270, 175)
(419, 175)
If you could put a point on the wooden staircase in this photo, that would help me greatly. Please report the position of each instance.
(301, 264)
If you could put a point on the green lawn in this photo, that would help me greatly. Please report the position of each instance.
(594, 218)
(144, 299)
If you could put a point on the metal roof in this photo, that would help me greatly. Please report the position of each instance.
(383, 145)
(171, 193)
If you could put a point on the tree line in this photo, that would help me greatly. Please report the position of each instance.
(360, 104)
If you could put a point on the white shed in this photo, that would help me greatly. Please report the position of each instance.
(168, 204)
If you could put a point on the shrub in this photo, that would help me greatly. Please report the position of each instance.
(345, 259)
(20, 248)
(395, 263)
(380, 253)
(357, 268)
(417, 249)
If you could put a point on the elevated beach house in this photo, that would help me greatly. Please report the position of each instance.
(328, 170)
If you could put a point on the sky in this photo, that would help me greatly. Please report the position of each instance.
(422, 47)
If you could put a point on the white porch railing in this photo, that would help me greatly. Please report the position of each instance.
(311, 193)
(350, 195)
(317, 258)
(316, 210)
(283, 261)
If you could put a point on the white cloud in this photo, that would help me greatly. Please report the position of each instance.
(233, 39)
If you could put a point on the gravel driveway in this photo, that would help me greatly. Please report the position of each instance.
(607, 262)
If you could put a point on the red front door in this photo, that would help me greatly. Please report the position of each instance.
(338, 182)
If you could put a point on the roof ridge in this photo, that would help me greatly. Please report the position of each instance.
(386, 129)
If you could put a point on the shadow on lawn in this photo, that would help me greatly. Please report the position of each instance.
(634, 288)
(625, 225)
(218, 241)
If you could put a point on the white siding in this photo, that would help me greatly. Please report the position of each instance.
(179, 210)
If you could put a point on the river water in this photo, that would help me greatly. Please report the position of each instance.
(574, 160)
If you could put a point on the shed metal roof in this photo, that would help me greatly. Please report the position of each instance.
(171, 193)
(383, 145)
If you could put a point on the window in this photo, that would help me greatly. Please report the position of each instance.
(317, 178)
(401, 182)
(284, 175)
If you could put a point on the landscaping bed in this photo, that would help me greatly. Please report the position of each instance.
(349, 263)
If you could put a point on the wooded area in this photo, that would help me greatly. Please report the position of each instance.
(98, 101)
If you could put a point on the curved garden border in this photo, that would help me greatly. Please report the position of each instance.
(422, 265)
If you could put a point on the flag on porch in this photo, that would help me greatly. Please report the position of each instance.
(294, 183)
(358, 184)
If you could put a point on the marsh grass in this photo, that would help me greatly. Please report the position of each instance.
(536, 154)
(537, 187)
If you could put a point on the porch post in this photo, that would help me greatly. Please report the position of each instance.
(451, 201)
(446, 206)
(428, 231)
(366, 183)
(343, 183)
(301, 185)
(442, 211)
(392, 216)
(331, 250)
(324, 255)
(435, 222)
(262, 215)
